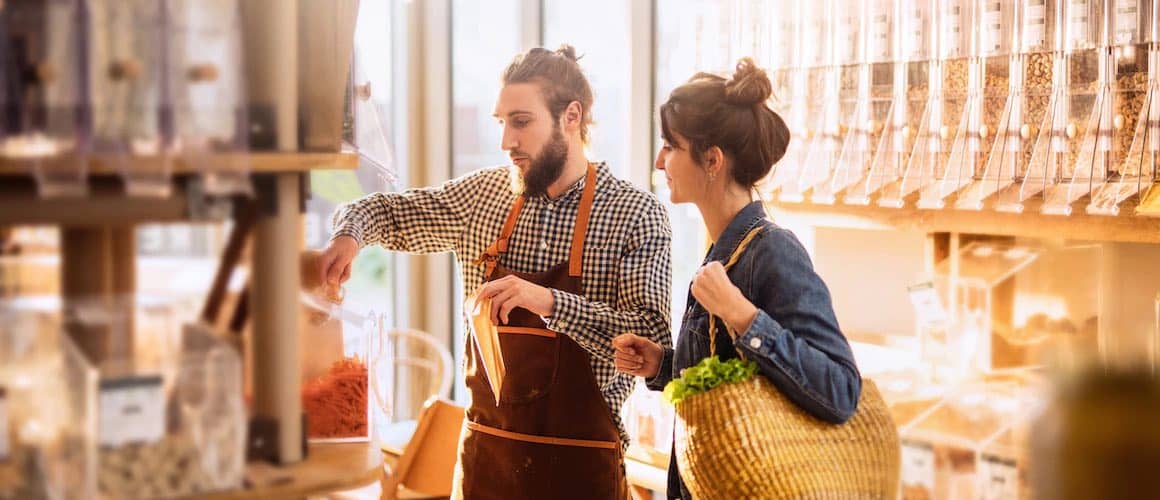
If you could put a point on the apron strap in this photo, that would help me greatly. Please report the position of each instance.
(575, 263)
(491, 255)
(728, 264)
(528, 438)
(575, 260)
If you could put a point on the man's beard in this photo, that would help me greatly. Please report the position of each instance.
(544, 169)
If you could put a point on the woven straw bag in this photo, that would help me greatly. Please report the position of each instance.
(747, 440)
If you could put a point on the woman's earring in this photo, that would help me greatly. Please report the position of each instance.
(712, 176)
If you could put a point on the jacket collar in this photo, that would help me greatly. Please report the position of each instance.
(745, 220)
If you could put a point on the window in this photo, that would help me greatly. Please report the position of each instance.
(606, 64)
(484, 38)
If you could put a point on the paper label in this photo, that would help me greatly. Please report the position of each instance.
(850, 27)
(1000, 478)
(954, 33)
(132, 410)
(918, 465)
(4, 426)
(882, 36)
(1078, 17)
(1126, 20)
(992, 27)
(928, 306)
(1035, 27)
(917, 21)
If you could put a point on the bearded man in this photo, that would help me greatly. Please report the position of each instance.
(569, 256)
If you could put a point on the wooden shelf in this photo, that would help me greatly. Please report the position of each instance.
(1126, 227)
(105, 203)
(328, 468)
(259, 163)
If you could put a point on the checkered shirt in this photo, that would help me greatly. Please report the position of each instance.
(626, 265)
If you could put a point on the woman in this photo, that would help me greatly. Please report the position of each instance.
(720, 139)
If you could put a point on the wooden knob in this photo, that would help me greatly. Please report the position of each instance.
(1118, 122)
(1026, 130)
(874, 126)
(907, 132)
(128, 69)
(363, 92)
(842, 129)
(207, 72)
(984, 131)
(944, 132)
(1071, 130)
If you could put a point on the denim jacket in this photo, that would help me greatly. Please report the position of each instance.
(795, 339)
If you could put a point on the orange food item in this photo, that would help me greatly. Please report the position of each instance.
(336, 403)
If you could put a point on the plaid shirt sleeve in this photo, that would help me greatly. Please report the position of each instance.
(420, 220)
(642, 305)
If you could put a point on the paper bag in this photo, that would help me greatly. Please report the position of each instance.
(487, 342)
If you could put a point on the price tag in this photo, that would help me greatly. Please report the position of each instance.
(992, 27)
(132, 410)
(1035, 28)
(917, 22)
(5, 447)
(1078, 14)
(882, 35)
(850, 27)
(1000, 478)
(918, 465)
(928, 306)
(954, 33)
(1126, 20)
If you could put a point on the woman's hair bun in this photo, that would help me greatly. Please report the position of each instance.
(749, 85)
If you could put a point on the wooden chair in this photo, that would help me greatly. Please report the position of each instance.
(427, 464)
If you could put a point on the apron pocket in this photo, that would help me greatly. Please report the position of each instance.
(530, 362)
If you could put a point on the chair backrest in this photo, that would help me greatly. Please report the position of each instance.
(427, 464)
(412, 367)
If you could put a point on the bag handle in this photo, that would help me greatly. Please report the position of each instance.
(729, 264)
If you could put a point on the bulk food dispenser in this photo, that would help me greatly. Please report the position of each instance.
(1042, 130)
(998, 40)
(912, 35)
(984, 81)
(1088, 131)
(126, 68)
(1135, 129)
(207, 88)
(44, 101)
(854, 102)
(790, 93)
(948, 48)
(821, 139)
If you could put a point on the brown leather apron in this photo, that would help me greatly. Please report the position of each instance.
(552, 435)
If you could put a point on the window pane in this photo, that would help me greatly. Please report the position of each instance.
(606, 63)
(484, 38)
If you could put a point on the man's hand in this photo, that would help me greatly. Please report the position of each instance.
(510, 292)
(718, 295)
(636, 355)
(334, 264)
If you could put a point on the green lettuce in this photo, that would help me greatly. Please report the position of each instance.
(709, 373)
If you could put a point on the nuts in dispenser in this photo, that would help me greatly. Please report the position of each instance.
(1129, 96)
(192, 439)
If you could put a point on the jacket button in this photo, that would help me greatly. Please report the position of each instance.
(755, 343)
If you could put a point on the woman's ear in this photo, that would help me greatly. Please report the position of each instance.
(714, 160)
